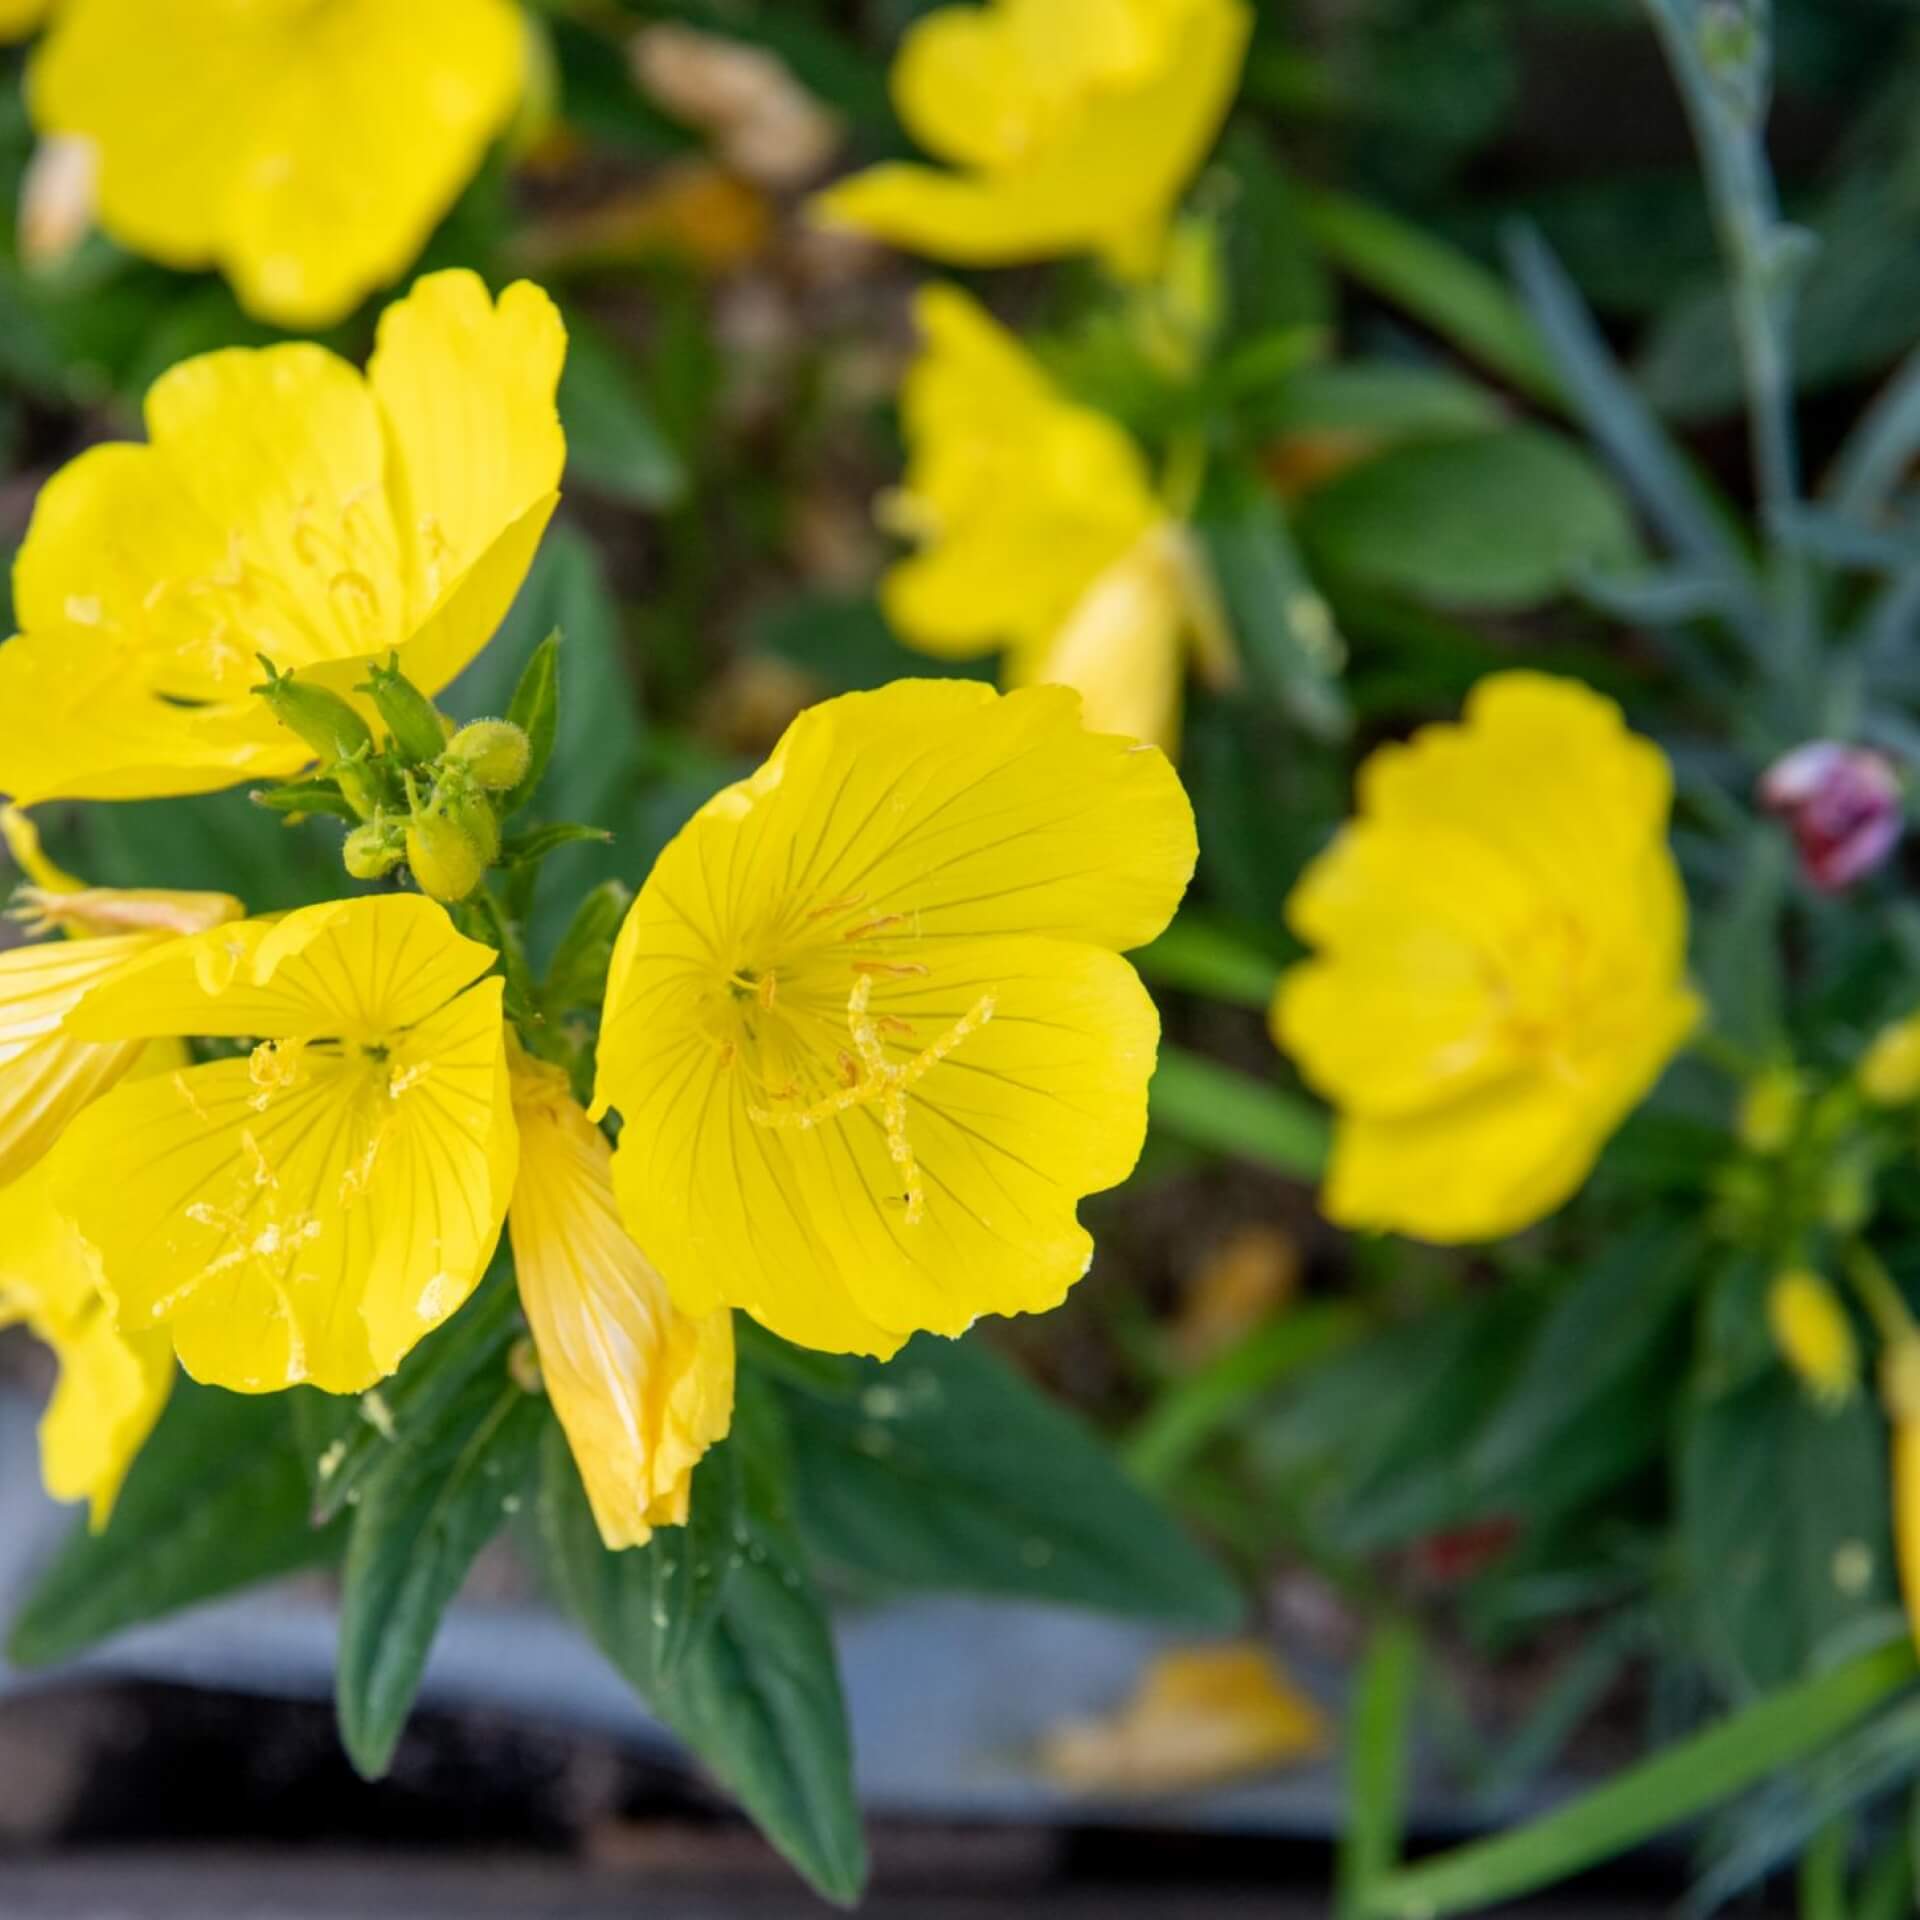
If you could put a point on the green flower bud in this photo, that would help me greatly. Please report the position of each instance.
(444, 857)
(373, 851)
(413, 720)
(327, 723)
(368, 790)
(495, 753)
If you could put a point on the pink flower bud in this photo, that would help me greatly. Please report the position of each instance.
(1841, 804)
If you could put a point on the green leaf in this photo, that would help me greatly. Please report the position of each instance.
(847, 643)
(945, 1469)
(535, 710)
(615, 445)
(1275, 279)
(1660, 1793)
(346, 1437)
(1452, 292)
(1208, 1105)
(577, 976)
(1284, 628)
(1378, 1746)
(216, 1501)
(1496, 520)
(757, 1695)
(1197, 956)
(530, 848)
(435, 1498)
(1381, 401)
(1783, 1524)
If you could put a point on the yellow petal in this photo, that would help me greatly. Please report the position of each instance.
(312, 1229)
(112, 1384)
(1021, 497)
(360, 969)
(309, 151)
(22, 838)
(1200, 1716)
(46, 1076)
(641, 1388)
(18, 18)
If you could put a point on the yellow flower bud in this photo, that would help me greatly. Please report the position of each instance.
(1889, 1075)
(1770, 1110)
(1814, 1335)
(495, 753)
(373, 851)
(446, 860)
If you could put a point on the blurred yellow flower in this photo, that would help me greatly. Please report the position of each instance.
(288, 507)
(1889, 1072)
(1814, 1335)
(113, 1385)
(1041, 532)
(46, 1076)
(307, 148)
(867, 1024)
(1500, 962)
(642, 1389)
(1074, 126)
(309, 1211)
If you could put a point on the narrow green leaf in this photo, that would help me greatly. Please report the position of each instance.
(757, 1695)
(1435, 282)
(216, 1501)
(1197, 957)
(435, 1498)
(530, 848)
(577, 976)
(535, 710)
(945, 1469)
(1208, 1105)
(1672, 1787)
(1379, 1731)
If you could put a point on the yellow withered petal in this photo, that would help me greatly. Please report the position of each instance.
(1078, 124)
(283, 506)
(1499, 966)
(641, 1388)
(308, 1214)
(308, 151)
(866, 1026)
(346, 969)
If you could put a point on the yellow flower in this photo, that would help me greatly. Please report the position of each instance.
(310, 1211)
(1889, 1074)
(285, 506)
(113, 1385)
(1499, 979)
(1074, 125)
(867, 1025)
(1041, 532)
(307, 148)
(642, 1389)
(47, 1076)
(1814, 1335)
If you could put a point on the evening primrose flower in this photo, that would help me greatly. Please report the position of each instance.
(306, 148)
(1074, 126)
(310, 1210)
(642, 1389)
(867, 1025)
(46, 1075)
(1040, 531)
(1500, 966)
(113, 1384)
(287, 507)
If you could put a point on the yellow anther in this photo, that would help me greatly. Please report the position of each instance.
(889, 969)
(867, 928)
(276, 1066)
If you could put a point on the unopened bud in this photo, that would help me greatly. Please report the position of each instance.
(495, 753)
(1770, 1111)
(327, 723)
(1846, 1195)
(411, 718)
(1889, 1073)
(373, 851)
(1900, 1381)
(1843, 807)
(1815, 1336)
(444, 857)
(366, 788)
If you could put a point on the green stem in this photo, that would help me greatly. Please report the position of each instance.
(1879, 1294)
(1378, 1729)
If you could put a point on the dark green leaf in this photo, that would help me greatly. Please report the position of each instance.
(945, 1469)
(614, 444)
(757, 1695)
(1492, 520)
(848, 644)
(1783, 1517)
(424, 1511)
(216, 1501)
(578, 974)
